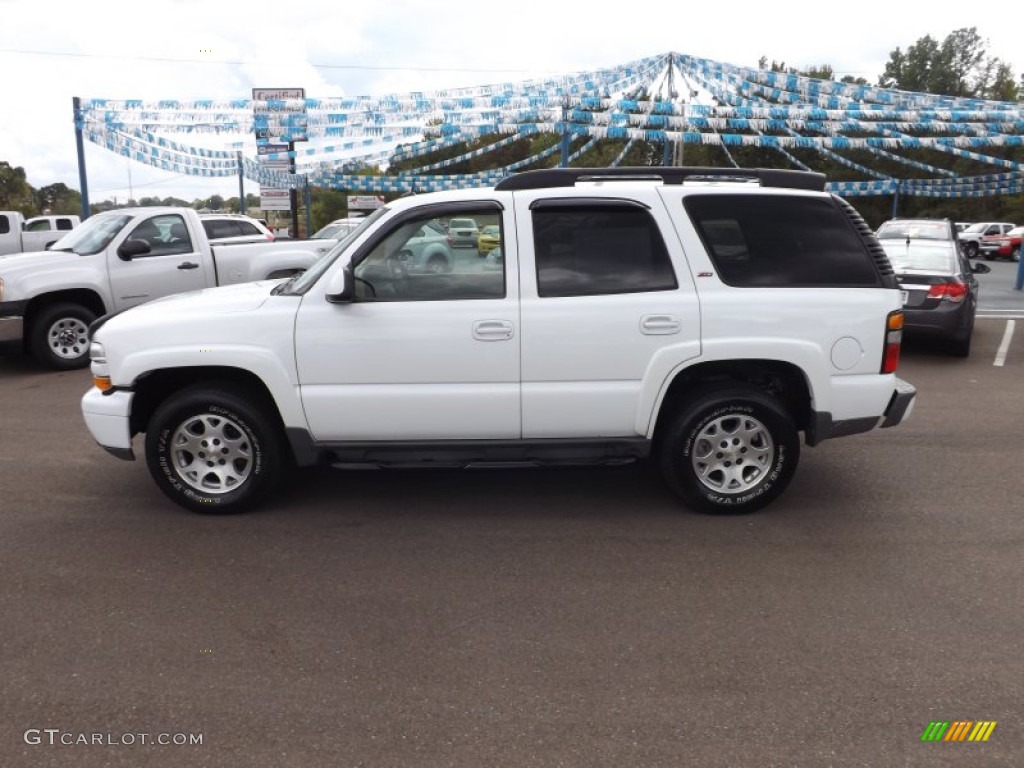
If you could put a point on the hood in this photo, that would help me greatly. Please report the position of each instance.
(227, 299)
(35, 260)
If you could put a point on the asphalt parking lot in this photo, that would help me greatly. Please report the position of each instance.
(574, 617)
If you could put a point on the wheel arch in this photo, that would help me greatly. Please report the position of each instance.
(782, 380)
(155, 387)
(84, 297)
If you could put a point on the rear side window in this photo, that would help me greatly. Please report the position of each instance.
(65, 224)
(781, 240)
(5, 225)
(586, 250)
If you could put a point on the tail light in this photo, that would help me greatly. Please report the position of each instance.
(953, 291)
(893, 340)
(449, 239)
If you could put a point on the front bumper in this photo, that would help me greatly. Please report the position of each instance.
(107, 417)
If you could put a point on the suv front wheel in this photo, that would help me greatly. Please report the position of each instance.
(213, 451)
(729, 451)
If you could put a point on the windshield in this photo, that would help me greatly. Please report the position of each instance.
(923, 257)
(305, 281)
(976, 228)
(92, 235)
(918, 230)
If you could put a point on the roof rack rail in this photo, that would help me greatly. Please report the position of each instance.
(568, 177)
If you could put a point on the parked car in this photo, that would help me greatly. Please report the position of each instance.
(938, 288)
(37, 234)
(1003, 246)
(116, 260)
(463, 233)
(222, 228)
(917, 229)
(970, 238)
(337, 229)
(598, 337)
(488, 239)
(427, 250)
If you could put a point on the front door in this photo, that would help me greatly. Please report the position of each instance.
(173, 264)
(429, 350)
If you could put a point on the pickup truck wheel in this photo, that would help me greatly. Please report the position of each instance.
(59, 336)
(212, 451)
(971, 249)
(729, 451)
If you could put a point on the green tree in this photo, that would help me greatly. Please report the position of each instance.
(15, 192)
(327, 205)
(58, 198)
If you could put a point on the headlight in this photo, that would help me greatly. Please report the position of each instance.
(99, 367)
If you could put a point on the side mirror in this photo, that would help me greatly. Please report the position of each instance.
(340, 286)
(129, 249)
(980, 269)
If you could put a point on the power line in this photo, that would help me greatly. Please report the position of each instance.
(368, 67)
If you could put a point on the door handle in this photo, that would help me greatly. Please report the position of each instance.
(660, 325)
(492, 330)
(188, 265)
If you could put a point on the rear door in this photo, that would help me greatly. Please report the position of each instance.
(605, 290)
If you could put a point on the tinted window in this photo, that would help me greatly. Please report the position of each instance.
(602, 249)
(5, 225)
(776, 240)
(65, 224)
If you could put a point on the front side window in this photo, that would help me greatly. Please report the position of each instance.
(417, 260)
(593, 249)
(780, 241)
(166, 235)
(42, 225)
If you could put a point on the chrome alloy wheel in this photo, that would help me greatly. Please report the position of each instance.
(732, 453)
(211, 453)
(68, 338)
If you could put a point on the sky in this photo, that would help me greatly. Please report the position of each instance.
(188, 49)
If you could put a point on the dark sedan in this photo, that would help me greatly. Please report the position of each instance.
(940, 292)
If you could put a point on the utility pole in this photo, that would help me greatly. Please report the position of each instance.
(82, 182)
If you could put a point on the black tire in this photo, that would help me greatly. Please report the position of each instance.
(971, 249)
(59, 336)
(743, 472)
(960, 345)
(438, 265)
(231, 434)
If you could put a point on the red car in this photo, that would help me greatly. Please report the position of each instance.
(1005, 246)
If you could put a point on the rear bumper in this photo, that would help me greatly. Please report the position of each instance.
(107, 417)
(823, 426)
(901, 404)
(947, 319)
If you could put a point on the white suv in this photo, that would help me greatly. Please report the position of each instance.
(704, 318)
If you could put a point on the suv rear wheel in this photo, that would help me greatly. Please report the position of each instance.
(729, 451)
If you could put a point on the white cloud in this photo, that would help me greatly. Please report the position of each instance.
(190, 49)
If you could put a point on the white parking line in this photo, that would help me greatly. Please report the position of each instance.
(1004, 346)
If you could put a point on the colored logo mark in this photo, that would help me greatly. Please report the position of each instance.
(959, 730)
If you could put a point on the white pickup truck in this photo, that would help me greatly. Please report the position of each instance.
(36, 234)
(118, 259)
(704, 317)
